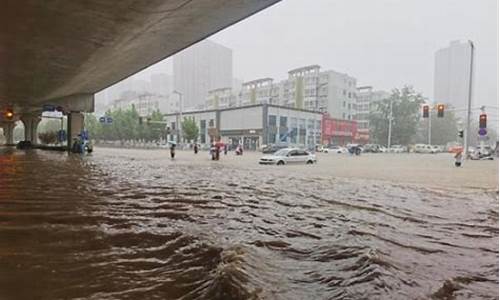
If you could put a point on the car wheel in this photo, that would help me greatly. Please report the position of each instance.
(309, 162)
(280, 163)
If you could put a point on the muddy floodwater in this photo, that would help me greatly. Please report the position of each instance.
(132, 227)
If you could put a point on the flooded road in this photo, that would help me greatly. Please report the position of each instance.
(135, 227)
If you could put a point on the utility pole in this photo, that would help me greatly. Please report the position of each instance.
(390, 128)
(430, 123)
(179, 124)
(469, 102)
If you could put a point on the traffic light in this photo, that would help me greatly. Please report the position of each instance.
(460, 133)
(440, 110)
(482, 121)
(425, 112)
(9, 114)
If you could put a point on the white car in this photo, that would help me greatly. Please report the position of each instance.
(397, 149)
(335, 149)
(424, 148)
(288, 156)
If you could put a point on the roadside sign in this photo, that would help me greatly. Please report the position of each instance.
(482, 131)
(102, 120)
(109, 120)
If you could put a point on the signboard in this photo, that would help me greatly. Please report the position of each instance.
(61, 136)
(106, 119)
(482, 131)
(48, 107)
(213, 132)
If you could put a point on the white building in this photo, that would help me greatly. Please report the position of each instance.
(144, 103)
(254, 125)
(366, 98)
(220, 98)
(452, 74)
(325, 91)
(162, 84)
(200, 68)
(259, 91)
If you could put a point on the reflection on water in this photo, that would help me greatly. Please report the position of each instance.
(101, 227)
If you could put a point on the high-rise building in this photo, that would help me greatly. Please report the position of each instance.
(452, 74)
(200, 68)
(162, 84)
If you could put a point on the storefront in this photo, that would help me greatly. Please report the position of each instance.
(338, 132)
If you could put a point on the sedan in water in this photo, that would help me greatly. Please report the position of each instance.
(288, 156)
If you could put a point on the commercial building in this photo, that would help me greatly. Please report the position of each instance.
(200, 68)
(338, 132)
(452, 74)
(366, 98)
(254, 125)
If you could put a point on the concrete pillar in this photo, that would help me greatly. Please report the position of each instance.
(75, 126)
(30, 127)
(8, 132)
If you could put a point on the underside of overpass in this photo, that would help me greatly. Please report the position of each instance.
(62, 52)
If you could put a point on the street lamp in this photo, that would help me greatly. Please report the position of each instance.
(179, 124)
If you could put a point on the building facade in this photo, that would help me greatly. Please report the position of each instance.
(337, 131)
(255, 125)
(220, 98)
(258, 91)
(200, 68)
(144, 103)
(452, 74)
(323, 91)
(366, 98)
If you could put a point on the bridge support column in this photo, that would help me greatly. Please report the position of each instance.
(8, 132)
(30, 127)
(75, 126)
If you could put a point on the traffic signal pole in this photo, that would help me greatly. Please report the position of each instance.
(469, 102)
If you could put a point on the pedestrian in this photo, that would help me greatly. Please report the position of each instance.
(212, 150)
(458, 159)
(217, 151)
(195, 148)
(172, 151)
(225, 149)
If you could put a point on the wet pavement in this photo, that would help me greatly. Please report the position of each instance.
(132, 225)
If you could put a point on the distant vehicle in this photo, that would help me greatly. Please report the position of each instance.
(355, 148)
(424, 148)
(335, 149)
(383, 149)
(397, 149)
(273, 148)
(372, 148)
(288, 156)
(438, 148)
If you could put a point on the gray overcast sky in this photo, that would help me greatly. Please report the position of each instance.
(383, 43)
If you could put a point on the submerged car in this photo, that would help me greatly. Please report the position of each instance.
(288, 156)
(335, 149)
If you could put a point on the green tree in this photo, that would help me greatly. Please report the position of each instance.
(443, 130)
(190, 130)
(405, 111)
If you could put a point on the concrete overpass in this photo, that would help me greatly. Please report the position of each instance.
(63, 52)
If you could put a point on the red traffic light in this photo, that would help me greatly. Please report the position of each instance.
(9, 114)
(425, 111)
(440, 110)
(482, 120)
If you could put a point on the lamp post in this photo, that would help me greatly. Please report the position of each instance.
(179, 124)
(390, 128)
